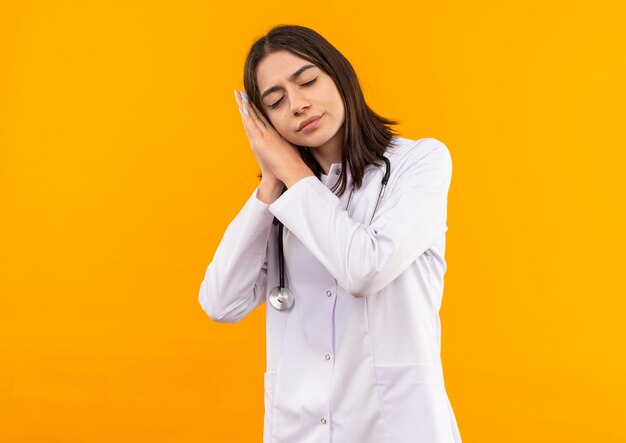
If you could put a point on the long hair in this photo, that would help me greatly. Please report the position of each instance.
(366, 134)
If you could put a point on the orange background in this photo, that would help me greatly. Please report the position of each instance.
(123, 159)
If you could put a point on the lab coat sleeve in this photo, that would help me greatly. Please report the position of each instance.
(235, 280)
(364, 259)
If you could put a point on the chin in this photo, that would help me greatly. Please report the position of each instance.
(315, 140)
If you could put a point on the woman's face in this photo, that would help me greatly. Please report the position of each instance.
(293, 90)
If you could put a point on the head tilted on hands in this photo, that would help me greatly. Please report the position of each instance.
(293, 75)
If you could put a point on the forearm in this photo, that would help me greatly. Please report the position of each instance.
(365, 258)
(234, 281)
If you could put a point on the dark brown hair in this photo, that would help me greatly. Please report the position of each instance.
(366, 134)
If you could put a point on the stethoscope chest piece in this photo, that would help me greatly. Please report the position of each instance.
(281, 298)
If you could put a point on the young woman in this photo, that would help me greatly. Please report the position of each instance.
(352, 272)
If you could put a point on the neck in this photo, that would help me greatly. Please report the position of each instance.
(329, 152)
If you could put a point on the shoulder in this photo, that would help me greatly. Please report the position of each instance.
(404, 152)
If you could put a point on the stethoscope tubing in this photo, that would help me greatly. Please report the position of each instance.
(281, 256)
(282, 298)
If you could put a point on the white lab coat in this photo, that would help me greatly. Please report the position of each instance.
(357, 359)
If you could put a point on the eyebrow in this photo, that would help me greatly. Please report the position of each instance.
(292, 77)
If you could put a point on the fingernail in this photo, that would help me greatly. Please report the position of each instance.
(245, 111)
(245, 97)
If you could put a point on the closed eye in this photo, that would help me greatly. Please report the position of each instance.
(278, 102)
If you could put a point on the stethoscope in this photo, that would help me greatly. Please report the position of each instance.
(282, 298)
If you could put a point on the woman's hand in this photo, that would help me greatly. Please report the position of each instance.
(277, 157)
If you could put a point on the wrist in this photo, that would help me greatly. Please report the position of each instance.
(269, 190)
(293, 176)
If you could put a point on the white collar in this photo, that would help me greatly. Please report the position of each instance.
(333, 175)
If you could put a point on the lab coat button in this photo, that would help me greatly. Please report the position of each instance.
(328, 293)
(338, 171)
(327, 356)
(323, 421)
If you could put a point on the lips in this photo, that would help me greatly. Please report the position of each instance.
(307, 121)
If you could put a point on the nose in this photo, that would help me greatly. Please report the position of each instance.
(298, 102)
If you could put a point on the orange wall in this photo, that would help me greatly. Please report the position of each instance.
(123, 159)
